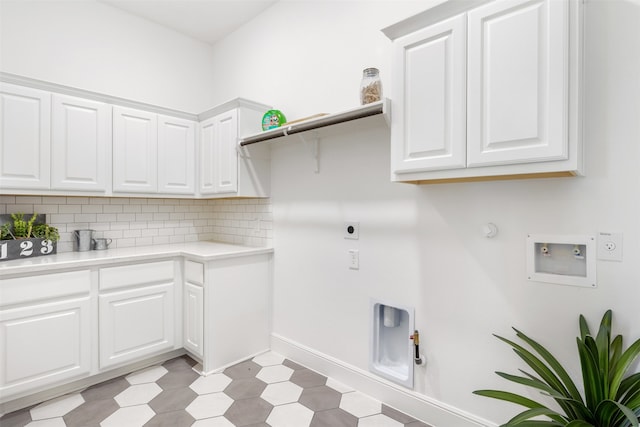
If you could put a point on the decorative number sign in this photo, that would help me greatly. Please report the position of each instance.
(25, 248)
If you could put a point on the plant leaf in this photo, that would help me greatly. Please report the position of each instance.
(510, 397)
(538, 366)
(625, 361)
(602, 342)
(609, 410)
(592, 389)
(584, 328)
(568, 383)
(579, 423)
(536, 412)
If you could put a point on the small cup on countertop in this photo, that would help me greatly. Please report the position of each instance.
(100, 244)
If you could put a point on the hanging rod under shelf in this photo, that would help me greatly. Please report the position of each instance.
(380, 107)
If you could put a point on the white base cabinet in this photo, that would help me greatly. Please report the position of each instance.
(193, 319)
(136, 312)
(45, 331)
(236, 311)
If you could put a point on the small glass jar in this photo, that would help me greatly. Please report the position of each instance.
(370, 86)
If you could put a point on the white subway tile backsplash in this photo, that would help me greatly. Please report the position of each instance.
(140, 222)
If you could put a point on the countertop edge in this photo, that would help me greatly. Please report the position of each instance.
(199, 251)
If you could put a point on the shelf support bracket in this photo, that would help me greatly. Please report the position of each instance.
(314, 146)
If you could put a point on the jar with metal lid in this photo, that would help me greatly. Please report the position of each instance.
(370, 86)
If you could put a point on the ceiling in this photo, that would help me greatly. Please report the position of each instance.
(204, 20)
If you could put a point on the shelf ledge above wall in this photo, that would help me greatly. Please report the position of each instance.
(367, 110)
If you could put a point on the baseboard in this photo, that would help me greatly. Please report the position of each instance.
(424, 408)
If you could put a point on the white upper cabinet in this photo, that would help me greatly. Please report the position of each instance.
(176, 155)
(219, 159)
(225, 169)
(25, 137)
(135, 151)
(518, 82)
(488, 92)
(429, 112)
(81, 135)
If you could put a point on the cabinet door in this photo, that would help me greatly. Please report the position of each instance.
(517, 84)
(25, 137)
(225, 153)
(135, 151)
(135, 323)
(81, 133)
(218, 154)
(44, 344)
(429, 123)
(207, 157)
(176, 155)
(193, 318)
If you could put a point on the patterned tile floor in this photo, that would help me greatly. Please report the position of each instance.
(267, 391)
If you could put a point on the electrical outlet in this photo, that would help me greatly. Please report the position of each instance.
(610, 246)
(352, 230)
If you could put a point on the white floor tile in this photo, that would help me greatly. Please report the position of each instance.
(132, 416)
(57, 407)
(269, 359)
(50, 422)
(149, 375)
(211, 384)
(360, 404)
(275, 374)
(338, 386)
(281, 393)
(378, 420)
(213, 422)
(291, 415)
(138, 394)
(209, 405)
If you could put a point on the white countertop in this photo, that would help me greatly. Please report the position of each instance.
(200, 251)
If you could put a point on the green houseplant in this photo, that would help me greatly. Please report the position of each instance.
(611, 394)
(21, 227)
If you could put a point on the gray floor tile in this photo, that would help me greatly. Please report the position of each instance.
(246, 369)
(307, 378)
(417, 424)
(245, 388)
(292, 365)
(106, 390)
(171, 419)
(174, 399)
(180, 378)
(397, 415)
(246, 412)
(179, 363)
(91, 413)
(333, 418)
(320, 398)
(16, 419)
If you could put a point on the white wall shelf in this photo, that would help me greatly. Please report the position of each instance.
(367, 110)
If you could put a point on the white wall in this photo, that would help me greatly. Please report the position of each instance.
(422, 245)
(93, 46)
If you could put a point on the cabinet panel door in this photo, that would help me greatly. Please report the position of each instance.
(44, 344)
(225, 153)
(428, 127)
(135, 323)
(80, 136)
(517, 93)
(25, 137)
(193, 318)
(207, 156)
(176, 155)
(135, 151)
